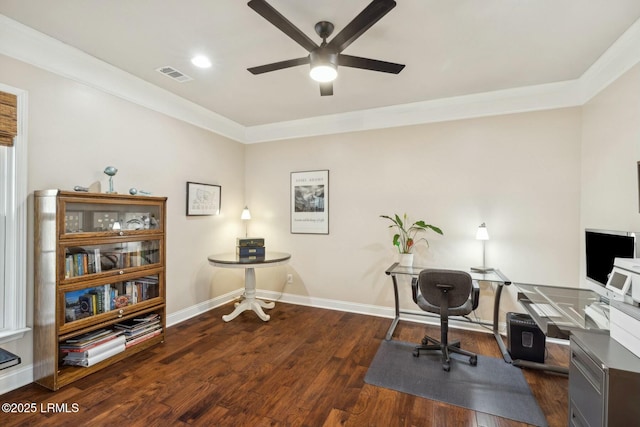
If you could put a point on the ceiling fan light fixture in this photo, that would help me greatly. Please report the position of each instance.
(324, 67)
(324, 73)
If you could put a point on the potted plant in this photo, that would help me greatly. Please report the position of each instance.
(405, 238)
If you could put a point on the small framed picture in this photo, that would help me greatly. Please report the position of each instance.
(203, 199)
(310, 202)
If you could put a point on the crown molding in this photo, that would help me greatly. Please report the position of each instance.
(509, 101)
(28, 45)
(621, 56)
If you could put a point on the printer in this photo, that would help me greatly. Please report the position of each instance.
(624, 284)
(624, 281)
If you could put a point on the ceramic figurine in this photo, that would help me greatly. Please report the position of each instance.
(111, 171)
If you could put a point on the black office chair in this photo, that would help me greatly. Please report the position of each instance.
(447, 293)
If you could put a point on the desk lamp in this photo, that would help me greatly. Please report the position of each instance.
(482, 234)
(246, 216)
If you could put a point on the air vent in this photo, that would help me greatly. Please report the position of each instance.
(174, 74)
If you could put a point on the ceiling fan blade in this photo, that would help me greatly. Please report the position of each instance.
(326, 89)
(361, 23)
(270, 14)
(278, 65)
(369, 64)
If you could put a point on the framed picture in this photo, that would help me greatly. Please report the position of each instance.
(310, 202)
(203, 199)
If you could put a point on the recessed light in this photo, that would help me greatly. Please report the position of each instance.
(201, 61)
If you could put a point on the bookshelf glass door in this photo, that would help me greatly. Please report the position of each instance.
(109, 298)
(101, 217)
(108, 258)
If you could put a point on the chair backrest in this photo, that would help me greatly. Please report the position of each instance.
(459, 280)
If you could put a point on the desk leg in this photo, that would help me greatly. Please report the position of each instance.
(496, 330)
(250, 302)
(540, 366)
(396, 319)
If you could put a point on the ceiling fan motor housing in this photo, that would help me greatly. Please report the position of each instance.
(323, 56)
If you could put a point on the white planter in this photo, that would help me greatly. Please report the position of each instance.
(406, 260)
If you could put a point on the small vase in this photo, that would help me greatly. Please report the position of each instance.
(406, 260)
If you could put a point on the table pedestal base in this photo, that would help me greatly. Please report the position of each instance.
(250, 301)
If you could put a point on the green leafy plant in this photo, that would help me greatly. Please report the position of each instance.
(405, 238)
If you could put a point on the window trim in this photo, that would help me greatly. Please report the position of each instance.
(15, 277)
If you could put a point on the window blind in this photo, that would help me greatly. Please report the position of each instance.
(8, 118)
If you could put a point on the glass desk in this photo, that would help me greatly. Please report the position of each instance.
(560, 311)
(571, 309)
(494, 276)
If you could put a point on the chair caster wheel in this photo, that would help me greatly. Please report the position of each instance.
(416, 353)
(425, 341)
(473, 360)
(446, 367)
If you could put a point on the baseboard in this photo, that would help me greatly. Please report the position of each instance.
(203, 307)
(16, 378)
(416, 316)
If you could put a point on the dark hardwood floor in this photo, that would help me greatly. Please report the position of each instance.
(305, 367)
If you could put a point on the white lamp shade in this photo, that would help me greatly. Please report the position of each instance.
(482, 233)
(245, 213)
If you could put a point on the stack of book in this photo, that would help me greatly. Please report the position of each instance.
(140, 329)
(250, 248)
(79, 262)
(91, 348)
(101, 299)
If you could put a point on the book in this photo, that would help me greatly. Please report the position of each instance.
(68, 266)
(90, 361)
(138, 322)
(8, 359)
(147, 318)
(140, 328)
(74, 348)
(89, 338)
(250, 241)
(129, 335)
(247, 251)
(96, 260)
(96, 349)
(143, 338)
(79, 264)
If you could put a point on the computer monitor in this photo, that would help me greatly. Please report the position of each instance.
(601, 248)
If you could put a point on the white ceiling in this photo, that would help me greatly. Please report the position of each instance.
(450, 48)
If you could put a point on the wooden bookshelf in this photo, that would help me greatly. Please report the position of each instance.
(99, 260)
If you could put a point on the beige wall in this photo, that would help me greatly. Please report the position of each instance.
(76, 131)
(518, 173)
(610, 152)
(537, 179)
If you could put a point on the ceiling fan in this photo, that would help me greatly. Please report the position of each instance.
(326, 58)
